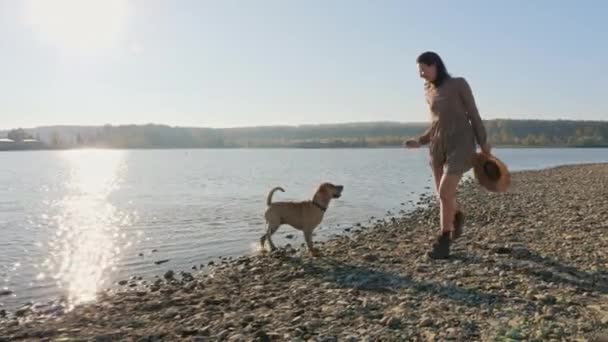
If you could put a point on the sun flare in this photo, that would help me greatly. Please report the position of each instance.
(82, 25)
(89, 239)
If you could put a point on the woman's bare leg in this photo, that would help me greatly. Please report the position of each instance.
(447, 197)
(437, 175)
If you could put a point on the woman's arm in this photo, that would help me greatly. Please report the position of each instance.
(425, 138)
(472, 113)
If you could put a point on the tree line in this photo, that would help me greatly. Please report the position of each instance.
(378, 134)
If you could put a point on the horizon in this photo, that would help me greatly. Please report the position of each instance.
(287, 125)
(233, 65)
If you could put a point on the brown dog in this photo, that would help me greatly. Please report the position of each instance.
(304, 216)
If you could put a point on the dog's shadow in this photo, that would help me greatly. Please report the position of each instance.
(364, 278)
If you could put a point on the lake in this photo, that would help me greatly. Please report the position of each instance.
(74, 222)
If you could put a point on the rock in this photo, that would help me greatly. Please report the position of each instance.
(123, 282)
(452, 333)
(392, 322)
(514, 334)
(327, 339)
(262, 336)
(151, 306)
(105, 338)
(187, 277)
(502, 250)
(370, 257)
(169, 275)
(237, 337)
(2, 313)
(296, 320)
(205, 331)
(546, 299)
(422, 268)
(5, 292)
(159, 262)
(22, 311)
(223, 334)
(425, 322)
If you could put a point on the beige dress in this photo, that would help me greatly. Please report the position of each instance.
(455, 126)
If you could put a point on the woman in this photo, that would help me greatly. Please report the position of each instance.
(455, 128)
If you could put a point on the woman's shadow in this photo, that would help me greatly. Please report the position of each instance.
(364, 278)
(548, 269)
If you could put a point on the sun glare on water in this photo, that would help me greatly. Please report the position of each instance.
(88, 239)
(80, 25)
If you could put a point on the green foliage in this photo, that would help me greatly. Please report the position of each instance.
(18, 135)
(548, 133)
(558, 133)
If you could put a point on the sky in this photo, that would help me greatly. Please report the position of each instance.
(285, 62)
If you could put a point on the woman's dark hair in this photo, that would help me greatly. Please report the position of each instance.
(431, 58)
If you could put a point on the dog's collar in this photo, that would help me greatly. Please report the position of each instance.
(322, 208)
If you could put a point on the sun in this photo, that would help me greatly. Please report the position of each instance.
(80, 25)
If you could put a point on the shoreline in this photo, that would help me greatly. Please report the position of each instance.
(375, 282)
(523, 147)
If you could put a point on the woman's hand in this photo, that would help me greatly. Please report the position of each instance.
(486, 148)
(411, 143)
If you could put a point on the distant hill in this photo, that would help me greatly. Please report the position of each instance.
(373, 134)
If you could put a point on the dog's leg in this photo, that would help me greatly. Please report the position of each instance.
(263, 241)
(309, 244)
(272, 228)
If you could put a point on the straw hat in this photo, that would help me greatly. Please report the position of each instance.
(491, 173)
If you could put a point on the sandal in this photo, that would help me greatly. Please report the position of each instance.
(441, 247)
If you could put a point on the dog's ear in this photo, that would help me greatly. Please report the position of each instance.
(324, 191)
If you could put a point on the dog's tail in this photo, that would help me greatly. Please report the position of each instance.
(269, 199)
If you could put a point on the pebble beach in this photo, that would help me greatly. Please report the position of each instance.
(531, 265)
